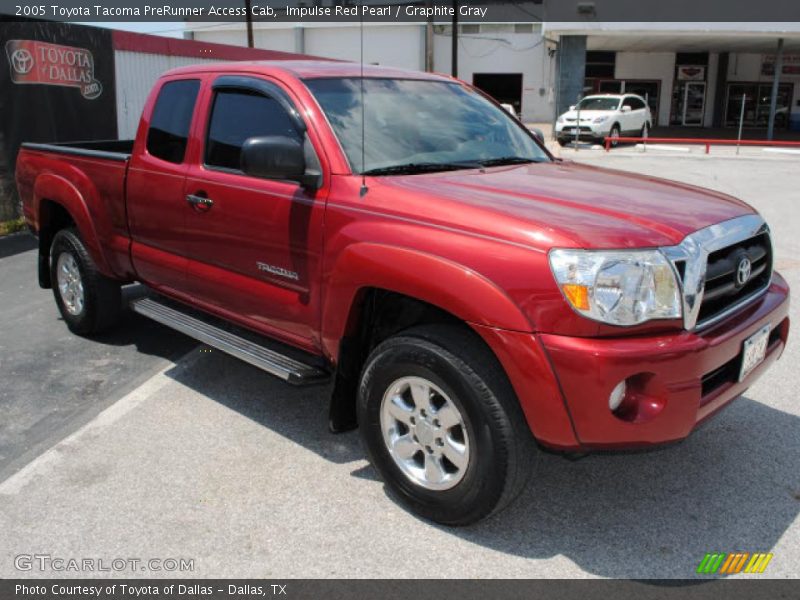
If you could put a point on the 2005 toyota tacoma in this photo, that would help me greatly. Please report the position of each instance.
(469, 296)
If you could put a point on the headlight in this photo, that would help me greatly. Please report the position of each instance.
(619, 287)
(600, 119)
(560, 119)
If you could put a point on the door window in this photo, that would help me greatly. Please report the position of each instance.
(688, 103)
(238, 115)
(171, 119)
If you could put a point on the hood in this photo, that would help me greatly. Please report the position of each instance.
(586, 115)
(565, 204)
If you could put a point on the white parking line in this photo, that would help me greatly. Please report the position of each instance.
(664, 147)
(782, 150)
(48, 460)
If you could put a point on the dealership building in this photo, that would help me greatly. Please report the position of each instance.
(693, 75)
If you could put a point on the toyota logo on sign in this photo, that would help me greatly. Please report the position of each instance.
(22, 61)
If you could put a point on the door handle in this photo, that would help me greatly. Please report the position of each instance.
(199, 202)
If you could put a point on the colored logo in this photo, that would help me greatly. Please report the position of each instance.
(34, 62)
(720, 563)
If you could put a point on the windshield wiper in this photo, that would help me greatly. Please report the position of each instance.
(508, 160)
(411, 168)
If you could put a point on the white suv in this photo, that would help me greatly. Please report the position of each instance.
(605, 116)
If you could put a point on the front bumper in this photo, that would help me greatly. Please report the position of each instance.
(683, 378)
(587, 130)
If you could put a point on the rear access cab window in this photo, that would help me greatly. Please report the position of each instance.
(172, 117)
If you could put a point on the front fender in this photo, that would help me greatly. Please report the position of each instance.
(440, 282)
(55, 188)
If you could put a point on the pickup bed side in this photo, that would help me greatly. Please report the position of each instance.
(81, 184)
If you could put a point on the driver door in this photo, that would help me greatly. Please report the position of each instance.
(253, 244)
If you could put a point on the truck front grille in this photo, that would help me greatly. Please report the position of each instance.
(708, 262)
(725, 281)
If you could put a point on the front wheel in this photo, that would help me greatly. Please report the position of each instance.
(613, 135)
(442, 425)
(88, 301)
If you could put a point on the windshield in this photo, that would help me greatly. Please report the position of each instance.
(599, 103)
(413, 126)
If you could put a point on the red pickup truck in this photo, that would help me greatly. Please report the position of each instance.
(469, 296)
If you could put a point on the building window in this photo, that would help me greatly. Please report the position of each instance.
(506, 88)
(757, 100)
(600, 65)
(527, 28)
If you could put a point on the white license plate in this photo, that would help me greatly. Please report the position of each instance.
(754, 351)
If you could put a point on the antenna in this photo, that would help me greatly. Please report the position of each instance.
(363, 109)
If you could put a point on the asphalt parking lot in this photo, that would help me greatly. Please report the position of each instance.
(187, 453)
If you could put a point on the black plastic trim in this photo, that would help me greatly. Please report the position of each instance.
(73, 149)
(259, 86)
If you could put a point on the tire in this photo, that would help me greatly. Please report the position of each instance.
(492, 431)
(562, 142)
(614, 133)
(88, 301)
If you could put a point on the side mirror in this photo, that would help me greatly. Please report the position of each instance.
(276, 157)
(537, 133)
(626, 109)
(572, 107)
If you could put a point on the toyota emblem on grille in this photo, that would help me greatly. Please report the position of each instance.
(743, 271)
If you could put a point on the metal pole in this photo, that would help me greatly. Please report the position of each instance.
(557, 111)
(454, 49)
(249, 21)
(773, 104)
(429, 40)
(741, 122)
(646, 128)
(578, 123)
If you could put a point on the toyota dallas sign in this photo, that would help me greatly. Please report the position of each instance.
(57, 84)
(35, 62)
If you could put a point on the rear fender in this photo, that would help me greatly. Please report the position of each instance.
(50, 187)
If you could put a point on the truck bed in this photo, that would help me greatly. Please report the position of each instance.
(108, 149)
(88, 180)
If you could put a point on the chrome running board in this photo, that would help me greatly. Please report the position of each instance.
(285, 367)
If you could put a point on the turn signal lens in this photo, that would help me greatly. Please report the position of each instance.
(578, 295)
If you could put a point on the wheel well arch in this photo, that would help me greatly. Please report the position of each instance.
(53, 217)
(375, 315)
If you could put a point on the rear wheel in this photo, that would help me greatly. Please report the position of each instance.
(442, 425)
(88, 301)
